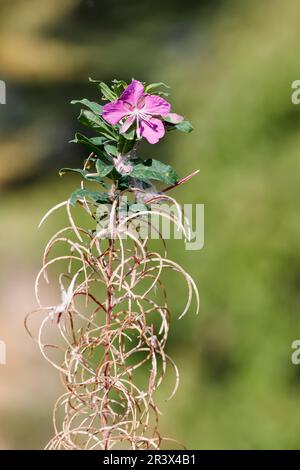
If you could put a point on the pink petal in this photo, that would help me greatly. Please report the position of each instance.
(156, 106)
(114, 112)
(132, 93)
(174, 118)
(127, 123)
(152, 129)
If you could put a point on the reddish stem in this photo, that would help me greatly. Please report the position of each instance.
(107, 341)
(183, 180)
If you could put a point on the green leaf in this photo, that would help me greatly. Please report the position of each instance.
(85, 174)
(89, 143)
(156, 170)
(95, 196)
(124, 182)
(119, 86)
(111, 150)
(107, 93)
(184, 126)
(92, 105)
(154, 86)
(102, 168)
(130, 134)
(63, 171)
(98, 140)
(90, 119)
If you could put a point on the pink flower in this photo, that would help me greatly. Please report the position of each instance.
(134, 105)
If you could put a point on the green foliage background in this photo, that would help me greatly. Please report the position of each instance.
(230, 65)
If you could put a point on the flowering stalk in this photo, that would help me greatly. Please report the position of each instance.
(113, 319)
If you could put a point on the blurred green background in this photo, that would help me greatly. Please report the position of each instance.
(230, 65)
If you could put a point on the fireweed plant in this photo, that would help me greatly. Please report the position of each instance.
(107, 336)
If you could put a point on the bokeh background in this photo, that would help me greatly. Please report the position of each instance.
(230, 65)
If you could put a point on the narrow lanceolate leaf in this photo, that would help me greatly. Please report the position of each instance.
(154, 86)
(119, 86)
(103, 169)
(155, 170)
(63, 171)
(90, 144)
(99, 141)
(92, 105)
(111, 150)
(85, 174)
(107, 93)
(92, 120)
(94, 196)
(130, 134)
(184, 126)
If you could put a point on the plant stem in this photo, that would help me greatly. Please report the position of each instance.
(107, 340)
(183, 180)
